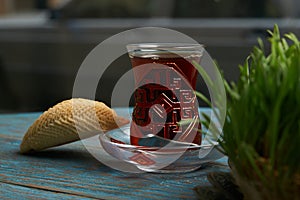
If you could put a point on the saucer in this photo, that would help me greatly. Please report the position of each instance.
(162, 155)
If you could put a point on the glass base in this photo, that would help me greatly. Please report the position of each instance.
(170, 169)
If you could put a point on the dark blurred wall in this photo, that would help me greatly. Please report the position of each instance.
(39, 57)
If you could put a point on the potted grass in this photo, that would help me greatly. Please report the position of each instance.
(261, 132)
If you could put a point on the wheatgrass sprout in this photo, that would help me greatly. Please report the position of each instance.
(261, 133)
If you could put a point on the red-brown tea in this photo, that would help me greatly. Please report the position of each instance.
(173, 89)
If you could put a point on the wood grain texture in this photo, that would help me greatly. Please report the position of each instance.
(70, 171)
(11, 191)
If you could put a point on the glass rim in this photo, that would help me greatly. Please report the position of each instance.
(165, 46)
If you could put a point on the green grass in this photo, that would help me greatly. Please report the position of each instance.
(261, 133)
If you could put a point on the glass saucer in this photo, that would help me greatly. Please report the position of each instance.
(170, 157)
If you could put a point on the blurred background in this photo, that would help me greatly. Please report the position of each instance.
(43, 42)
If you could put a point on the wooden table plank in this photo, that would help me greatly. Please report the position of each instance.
(70, 169)
(11, 191)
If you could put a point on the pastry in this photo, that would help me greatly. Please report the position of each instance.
(61, 124)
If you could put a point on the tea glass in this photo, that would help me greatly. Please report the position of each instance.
(165, 80)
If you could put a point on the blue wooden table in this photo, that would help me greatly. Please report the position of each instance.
(70, 172)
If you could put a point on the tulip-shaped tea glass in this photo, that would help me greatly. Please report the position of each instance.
(165, 80)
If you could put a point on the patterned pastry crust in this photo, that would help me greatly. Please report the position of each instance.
(61, 124)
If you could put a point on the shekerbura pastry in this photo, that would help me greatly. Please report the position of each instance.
(62, 123)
